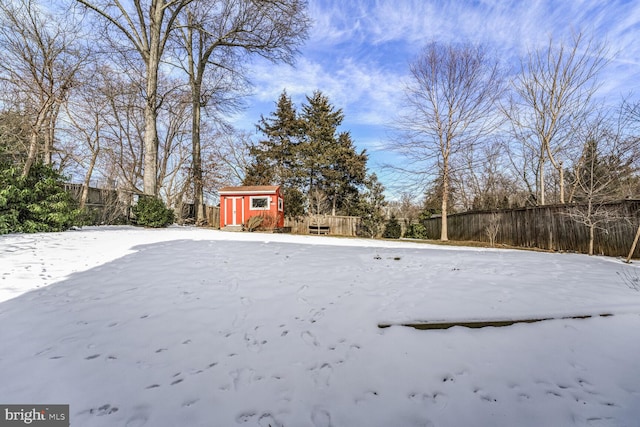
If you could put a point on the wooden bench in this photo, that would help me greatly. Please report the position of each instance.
(319, 229)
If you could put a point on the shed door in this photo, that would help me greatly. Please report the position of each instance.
(233, 211)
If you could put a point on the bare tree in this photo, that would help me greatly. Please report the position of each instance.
(552, 95)
(144, 26)
(86, 113)
(174, 154)
(226, 158)
(603, 167)
(216, 36)
(482, 179)
(123, 134)
(451, 104)
(492, 228)
(39, 61)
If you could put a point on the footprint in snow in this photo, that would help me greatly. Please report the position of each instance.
(137, 421)
(252, 343)
(322, 375)
(105, 409)
(317, 315)
(320, 418)
(436, 398)
(239, 319)
(245, 417)
(309, 338)
(188, 403)
(242, 377)
(267, 420)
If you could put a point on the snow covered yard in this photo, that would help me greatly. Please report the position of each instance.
(194, 327)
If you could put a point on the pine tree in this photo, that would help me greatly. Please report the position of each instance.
(275, 157)
(392, 229)
(344, 174)
(35, 203)
(320, 122)
(370, 207)
(306, 155)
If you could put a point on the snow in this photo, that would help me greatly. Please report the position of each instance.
(196, 327)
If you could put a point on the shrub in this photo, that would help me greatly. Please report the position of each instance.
(37, 202)
(416, 231)
(261, 222)
(392, 229)
(150, 211)
(254, 222)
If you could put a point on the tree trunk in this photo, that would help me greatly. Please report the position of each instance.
(51, 132)
(33, 153)
(33, 139)
(444, 236)
(333, 204)
(150, 175)
(561, 170)
(541, 200)
(198, 198)
(591, 233)
(87, 178)
(150, 149)
(633, 246)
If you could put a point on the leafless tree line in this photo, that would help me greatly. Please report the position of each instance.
(136, 91)
(477, 135)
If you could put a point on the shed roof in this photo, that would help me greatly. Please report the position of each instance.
(249, 189)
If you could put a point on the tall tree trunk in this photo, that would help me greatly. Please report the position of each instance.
(152, 62)
(541, 200)
(558, 166)
(33, 153)
(33, 138)
(333, 204)
(87, 178)
(150, 184)
(561, 183)
(51, 132)
(444, 236)
(198, 198)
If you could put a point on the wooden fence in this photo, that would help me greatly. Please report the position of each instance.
(213, 216)
(545, 227)
(105, 206)
(338, 225)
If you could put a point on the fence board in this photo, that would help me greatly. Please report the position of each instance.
(213, 216)
(546, 227)
(338, 225)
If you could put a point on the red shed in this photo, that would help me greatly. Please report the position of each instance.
(238, 204)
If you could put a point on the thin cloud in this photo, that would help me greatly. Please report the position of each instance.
(359, 50)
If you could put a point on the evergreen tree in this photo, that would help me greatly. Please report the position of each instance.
(306, 155)
(344, 174)
(392, 229)
(320, 122)
(370, 207)
(36, 202)
(275, 157)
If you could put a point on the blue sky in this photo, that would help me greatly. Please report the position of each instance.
(358, 53)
